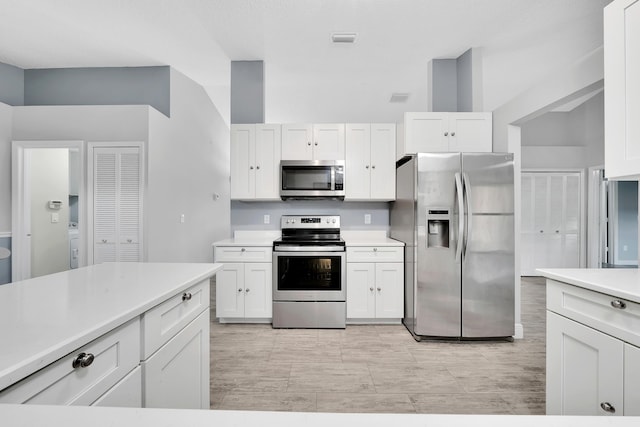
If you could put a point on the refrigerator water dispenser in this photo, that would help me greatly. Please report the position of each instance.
(438, 228)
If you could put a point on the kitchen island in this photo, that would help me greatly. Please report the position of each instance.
(98, 334)
(593, 341)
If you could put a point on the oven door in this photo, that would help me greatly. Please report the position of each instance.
(309, 276)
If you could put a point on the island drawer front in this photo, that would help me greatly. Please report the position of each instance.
(115, 355)
(165, 320)
(242, 254)
(375, 254)
(611, 315)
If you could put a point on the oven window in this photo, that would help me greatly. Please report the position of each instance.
(309, 273)
(307, 178)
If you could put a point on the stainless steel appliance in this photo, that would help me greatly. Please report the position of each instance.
(312, 179)
(309, 273)
(454, 212)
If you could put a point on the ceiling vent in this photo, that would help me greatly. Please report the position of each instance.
(399, 97)
(343, 37)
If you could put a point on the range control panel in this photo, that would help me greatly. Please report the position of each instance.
(310, 221)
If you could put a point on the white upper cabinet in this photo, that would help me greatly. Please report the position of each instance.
(445, 132)
(370, 162)
(255, 161)
(313, 141)
(622, 94)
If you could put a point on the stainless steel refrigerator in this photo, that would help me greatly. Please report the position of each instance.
(454, 212)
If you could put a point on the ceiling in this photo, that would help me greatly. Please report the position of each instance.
(307, 78)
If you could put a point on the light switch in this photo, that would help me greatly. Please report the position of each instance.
(267, 219)
(55, 217)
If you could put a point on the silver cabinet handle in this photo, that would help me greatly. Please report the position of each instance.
(557, 231)
(446, 134)
(257, 167)
(129, 240)
(371, 289)
(316, 143)
(608, 407)
(242, 250)
(373, 167)
(618, 304)
(186, 296)
(82, 360)
(375, 249)
(247, 290)
(379, 289)
(542, 231)
(366, 167)
(453, 134)
(240, 290)
(104, 240)
(251, 167)
(309, 143)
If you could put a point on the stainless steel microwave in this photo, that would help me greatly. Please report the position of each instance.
(312, 179)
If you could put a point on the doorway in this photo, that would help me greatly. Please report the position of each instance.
(47, 207)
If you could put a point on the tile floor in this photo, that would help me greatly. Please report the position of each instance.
(379, 368)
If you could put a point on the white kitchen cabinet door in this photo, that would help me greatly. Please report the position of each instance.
(243, 162)
(297, 140)
(116, 183)
(383, 165)
(268, 151)
(631, 380)
(257, 290)
(177, 375)
(622, 97)
(127, 393)
(328, 141)
(426, 132)
(230, 291)
(470, 132)
(358, 161)
(361, 290)
(584, 369)
(389, 290)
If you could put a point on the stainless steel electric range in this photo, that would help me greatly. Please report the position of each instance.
(309, 270)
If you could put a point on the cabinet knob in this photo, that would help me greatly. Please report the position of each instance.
(542, 231)
(257, 167)
(371, 289)
(375, 249)
(251, 167)
(453, 134)
(316, 143)
(247, 290)
(129, 240)
(366, 167)
(373, 166)
(379, 289)
(240, 290)
(608, 407)
(104, 240)
(82, 360)
(309, 143)
(618, 304)
(186, 296)
(446, 134)
(242, 250)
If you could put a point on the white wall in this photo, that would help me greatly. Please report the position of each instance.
(49, 170)
(6, 117)
(188, 163)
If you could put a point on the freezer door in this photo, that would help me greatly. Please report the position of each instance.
(488, 264)
(437, 294)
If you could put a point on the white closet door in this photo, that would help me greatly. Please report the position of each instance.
(117, 204)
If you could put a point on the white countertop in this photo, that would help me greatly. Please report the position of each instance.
(250, 238)
(351, 238)
(618, 282)
(64, 416)
(46, 318)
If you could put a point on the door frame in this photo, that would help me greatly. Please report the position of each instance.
(596, 217)
(583, 204)
(20, 211)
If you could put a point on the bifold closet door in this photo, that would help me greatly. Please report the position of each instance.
(550, 223)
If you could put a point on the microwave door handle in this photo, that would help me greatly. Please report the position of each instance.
(333, 179)
(467, 198)
(459, 198)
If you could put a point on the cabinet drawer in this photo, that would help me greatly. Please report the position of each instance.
(166, 319)
(242, 253)
(127, 393)
(115, 355)
(596, 310)
(375, 254)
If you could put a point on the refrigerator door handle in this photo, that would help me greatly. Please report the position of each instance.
(459, 197)
(467, 198)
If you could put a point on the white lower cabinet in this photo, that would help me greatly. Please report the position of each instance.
(127, 393)
(375, 284)
(590, 372)
(243, 291)
(177, 375)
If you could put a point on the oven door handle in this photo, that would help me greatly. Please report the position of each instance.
(282, 248)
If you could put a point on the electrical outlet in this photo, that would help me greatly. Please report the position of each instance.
(55, 217)
(625, 248)
(367, 218)
(267, 219)
(182, 219)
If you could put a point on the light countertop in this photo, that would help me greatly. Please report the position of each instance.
(63, 416)
(46, 318)
(618, 282)
(351, 238)
(250, 238)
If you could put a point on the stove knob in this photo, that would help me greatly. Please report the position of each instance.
(328, 220)
(293, 221)
(333, 220)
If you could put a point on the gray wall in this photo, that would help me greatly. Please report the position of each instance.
(627, 221)
(99, 86)
(250, 215)
(464, 68)
(247, 92)
(5, 264)
(11, 84)
(444, 85)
